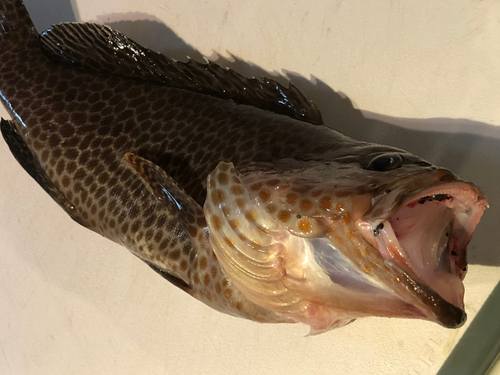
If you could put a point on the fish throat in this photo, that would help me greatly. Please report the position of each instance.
(426, 233)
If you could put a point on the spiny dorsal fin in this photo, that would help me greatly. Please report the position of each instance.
(16, 27)
(101, 49)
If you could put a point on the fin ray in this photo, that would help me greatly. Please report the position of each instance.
(181, 284)
(186, 211)
(101, 49)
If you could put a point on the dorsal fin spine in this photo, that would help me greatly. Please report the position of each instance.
(16, 27)
(101, 49)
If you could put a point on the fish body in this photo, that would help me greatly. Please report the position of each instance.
(232, 189)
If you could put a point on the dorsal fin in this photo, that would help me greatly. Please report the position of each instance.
(101, 49)
(16, 27)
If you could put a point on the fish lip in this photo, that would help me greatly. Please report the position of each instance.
(443, 312)
(427, 184)
(431, 305)
(412, 188)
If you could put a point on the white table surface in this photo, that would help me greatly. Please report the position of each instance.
(72, 302)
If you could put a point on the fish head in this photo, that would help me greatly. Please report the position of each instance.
(373, 231)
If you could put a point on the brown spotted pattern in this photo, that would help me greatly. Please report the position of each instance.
(267, 254)
(201, 270)
(252, 249)
(315, 211)
(109, 143)
(81, 125)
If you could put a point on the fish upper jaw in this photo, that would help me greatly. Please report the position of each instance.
(421, 227)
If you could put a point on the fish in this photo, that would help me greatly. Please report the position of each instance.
(233, 189)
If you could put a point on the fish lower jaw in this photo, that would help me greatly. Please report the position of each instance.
(448, 285)
(426, 236)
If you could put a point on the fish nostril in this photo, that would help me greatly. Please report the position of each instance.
(377, 230)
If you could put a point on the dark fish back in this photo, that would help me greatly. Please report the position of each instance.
(78, 126)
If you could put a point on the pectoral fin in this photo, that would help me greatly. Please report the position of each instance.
(179, 206)
(168, 192)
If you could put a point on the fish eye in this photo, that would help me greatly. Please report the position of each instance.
(385, 162)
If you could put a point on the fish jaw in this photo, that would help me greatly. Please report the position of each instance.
(316, 258)
(421, 227)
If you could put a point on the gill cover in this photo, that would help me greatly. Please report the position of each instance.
(266, 262)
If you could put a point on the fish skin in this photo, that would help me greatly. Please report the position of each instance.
(94, 140)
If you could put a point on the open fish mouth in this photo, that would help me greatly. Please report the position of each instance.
(425, 231)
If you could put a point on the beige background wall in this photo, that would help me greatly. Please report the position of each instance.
(72, 302)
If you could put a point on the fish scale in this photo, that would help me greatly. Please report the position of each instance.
(124, 140)
(82, 147)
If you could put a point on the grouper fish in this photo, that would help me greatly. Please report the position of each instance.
(233, 189)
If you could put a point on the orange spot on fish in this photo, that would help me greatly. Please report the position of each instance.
(183, 265)
(305, 205)
(206, 280)
(250, 216)
(216, 222)
(256, 186)
(264, 195)
(228, 242)
(317, 193)
(193, 231)
(271, 208)
(223, 179)
(351, 235)
(228, 293)
(346, 218)
(284, 216)
(338, 240)
(342, 193)
(305, 226)
(237, 190)
(203, 263)
(217, 196)
(292, 198)
(273, 182)
(223, 166)
(325, 203)
(240, 202)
